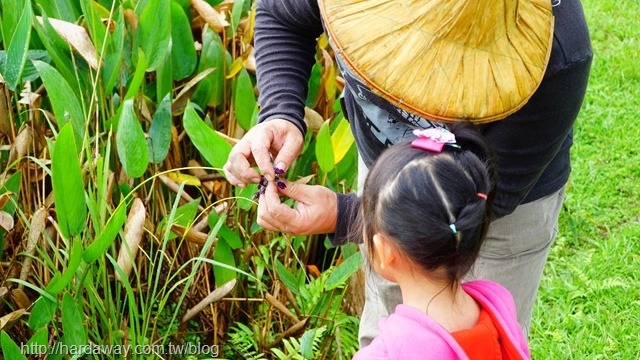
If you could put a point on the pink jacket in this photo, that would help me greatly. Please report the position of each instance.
(410, 334)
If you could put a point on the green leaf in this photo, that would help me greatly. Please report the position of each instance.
(183, 51)
(138, 77)
(17, 50)
(41, 313)
(10, 350)
(114, 53)
(164, 77)
(103, 241)
(68, 184)
(160, 131)
(66, 106)
(93, 23)
(132, 144)
(11, 11)
(231, 237)
(60, 281)
(223, 254)
(287, 277)
(154, 30)
(72, 322)
(210, 91)
(341, 139)
(245, 195)
(342, 272)
(212, 146)
(59, 9)
(244, 99)
(315, 82)
(184, 215)
(39, 340)
(324, 149)
(236, 13)
(12, 185)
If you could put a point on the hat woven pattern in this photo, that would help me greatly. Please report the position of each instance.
(458, 60)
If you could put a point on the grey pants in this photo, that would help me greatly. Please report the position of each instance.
(514, 254)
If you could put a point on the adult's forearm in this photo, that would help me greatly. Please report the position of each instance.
(285, 47)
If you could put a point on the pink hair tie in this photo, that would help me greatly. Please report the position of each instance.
(482, 196)
(433, 139)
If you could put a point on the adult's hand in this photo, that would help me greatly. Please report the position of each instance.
(279, 138)
(315, 212)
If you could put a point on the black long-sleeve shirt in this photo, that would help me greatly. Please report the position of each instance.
(531, 146)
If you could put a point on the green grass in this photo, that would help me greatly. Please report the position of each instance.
(589, 301)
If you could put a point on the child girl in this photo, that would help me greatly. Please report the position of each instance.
(425, 212)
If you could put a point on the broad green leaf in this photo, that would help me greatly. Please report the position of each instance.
(164, 77)
(59, 9)
(40, 339)
(160, 131)
(315, 81)
(223, 254)
(212, 146)
(307, 340)
(68, 184)
(61, 280)
(11, 11)
(183, 51)
(10, 350)
(114, 53)
(244, 99)
(210, 91)
(66, 106)
(132, 144)
(17, 50)
(341, 140)
(287, 277)
(29, 72)
(138, 77)
(231, 237)
(12, 185)
(154, 30)
(236, 13)
(342, 272)
(92, 21)
(184, 215)
(72, 322)
(104, 240)
(330, 82)
(245, 195)
(41, 313)
(324, 149)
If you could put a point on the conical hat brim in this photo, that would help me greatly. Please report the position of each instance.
(445, 60)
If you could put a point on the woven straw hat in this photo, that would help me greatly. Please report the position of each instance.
(446, 60)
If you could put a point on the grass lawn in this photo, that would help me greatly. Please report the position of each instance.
(589, 301)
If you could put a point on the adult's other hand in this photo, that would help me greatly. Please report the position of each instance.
(315, 212)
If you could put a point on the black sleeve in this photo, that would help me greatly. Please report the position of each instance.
(348, 209)
(285, 47)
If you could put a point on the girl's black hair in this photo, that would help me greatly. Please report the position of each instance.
(428, 202)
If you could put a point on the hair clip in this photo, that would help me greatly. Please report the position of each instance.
(433, 139)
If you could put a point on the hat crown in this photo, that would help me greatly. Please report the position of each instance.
(445, 60)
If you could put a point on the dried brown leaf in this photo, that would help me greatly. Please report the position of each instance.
(133, 231)
(6, 221)
(21, 145)
(5, 116)
(77, 37)
(180, 102)
(11, 318)
(313, 120)
(20, 298)
(38, 223)
(28, 97)
(214, 296)
(4, 199)
(215, 19)
(191, 235)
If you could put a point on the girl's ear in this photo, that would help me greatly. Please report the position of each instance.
(386, 253)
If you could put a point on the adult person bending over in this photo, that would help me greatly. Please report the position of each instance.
(516, 68)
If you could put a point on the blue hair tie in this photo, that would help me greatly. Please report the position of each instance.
(453, 228)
